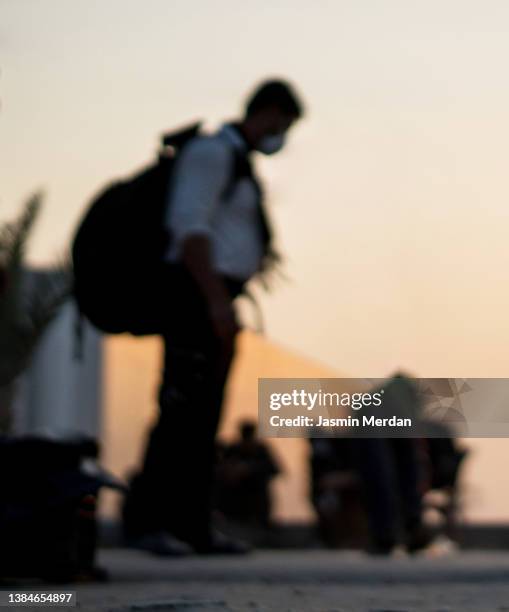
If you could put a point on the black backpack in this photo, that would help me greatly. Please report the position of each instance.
(118, 250)
(121, 240)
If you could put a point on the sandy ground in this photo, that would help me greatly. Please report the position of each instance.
(285, 581)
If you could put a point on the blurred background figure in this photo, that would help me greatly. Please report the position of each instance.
(245, 471)
(336, 495)
(445, 458)
(378, 493)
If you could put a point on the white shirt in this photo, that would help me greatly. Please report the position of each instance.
(200, 201)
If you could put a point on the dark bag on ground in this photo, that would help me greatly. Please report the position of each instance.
(48, 509)
(120, 243)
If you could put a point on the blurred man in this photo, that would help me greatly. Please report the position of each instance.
(221, 238)
(244, 476)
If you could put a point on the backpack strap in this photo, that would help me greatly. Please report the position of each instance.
(242, 167)
(79, 332)
(174, 141)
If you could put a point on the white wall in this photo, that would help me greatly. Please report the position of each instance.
(61, 394)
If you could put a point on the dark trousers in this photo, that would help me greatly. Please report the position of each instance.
(390, 471)
(177, 473)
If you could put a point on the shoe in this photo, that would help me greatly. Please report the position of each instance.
(160, 543)
(220, 544)
(419, 538)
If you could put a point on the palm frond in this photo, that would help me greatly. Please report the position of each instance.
(30, 300)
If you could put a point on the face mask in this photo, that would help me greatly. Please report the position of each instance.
(271, 144)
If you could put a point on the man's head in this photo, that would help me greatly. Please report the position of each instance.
(270, 111)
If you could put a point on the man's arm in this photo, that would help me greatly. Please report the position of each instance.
(198, 184)
(196, 257)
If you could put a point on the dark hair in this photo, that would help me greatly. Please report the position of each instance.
(275, 93)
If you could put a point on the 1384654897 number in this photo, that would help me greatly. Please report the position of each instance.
(37, 597)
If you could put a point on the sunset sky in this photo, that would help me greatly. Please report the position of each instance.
(391, 200)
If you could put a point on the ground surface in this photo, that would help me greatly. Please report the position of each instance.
(314, 581)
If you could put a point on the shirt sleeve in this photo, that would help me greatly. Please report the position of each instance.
(198, 181)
